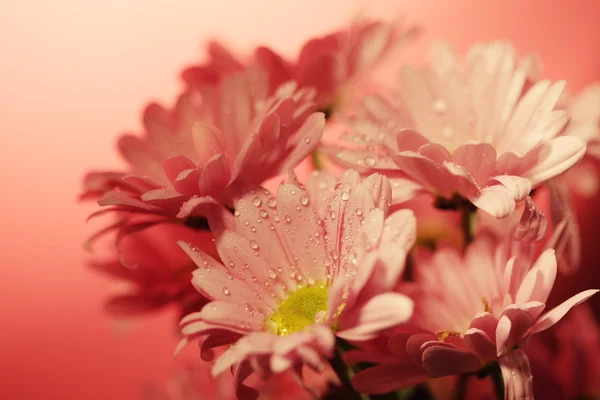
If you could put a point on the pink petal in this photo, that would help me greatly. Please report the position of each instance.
(379, 313)
(208, 140)
(300, 222)
(558, 156)
(485, 322)
(435, 152)
(477, 158)
(553, 316)
(480, 343)
(441, 361)
(325, 73)
(518, 187)
(495, 200)
(387, 378)
(539, 281)
(409, 140)
(512, 327)
(426, 172)
(306, 140)
(187, 181)
(174, 165)
(414, 345)
(215, 176)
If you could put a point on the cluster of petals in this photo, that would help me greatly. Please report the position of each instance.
(184, 159)
(329, 64)
(470, 310)
(334, 235)
(481, 127)
(155, 270)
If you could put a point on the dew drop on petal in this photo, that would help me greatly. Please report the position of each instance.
(287, 219)
(236, 213)
(307, 140)
(226, 291)
(256, 201)
(345, 195)
(370, 161)
(333, 215)
(304, 200)
(272, 202)
(253, 245)
(263, 214)
(439, 106)
(448, 132)
(272, 273)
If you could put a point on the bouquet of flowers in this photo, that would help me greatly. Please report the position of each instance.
(325, 235)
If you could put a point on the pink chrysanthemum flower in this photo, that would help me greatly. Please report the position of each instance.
(183, 158)
(155, 269)
(300, 269)
(471, 310)
(477, 127)
(329, 64)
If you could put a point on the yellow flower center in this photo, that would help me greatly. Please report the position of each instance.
(298, 311)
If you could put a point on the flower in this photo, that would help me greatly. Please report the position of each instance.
(479, 127)
(157, 271)
(183, 159)
(470, 311)
(328, 64)
(300, 269)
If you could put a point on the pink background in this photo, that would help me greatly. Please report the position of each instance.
(75, 73)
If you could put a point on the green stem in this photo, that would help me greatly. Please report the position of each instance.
(344, 373)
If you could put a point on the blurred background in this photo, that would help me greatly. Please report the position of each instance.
(76, 73)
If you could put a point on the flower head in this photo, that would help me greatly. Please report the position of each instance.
(471, 310)
(479, 128)
(198, 150)
(299, 269)
(328, 64)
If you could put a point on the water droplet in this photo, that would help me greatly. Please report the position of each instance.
(231, 264)
(307, 140)
(439, 106)
(287, 219)
(345, 195)
(293, 192)
(236, 213)
(257, 201)
(304, 200)
(253, 245)
(272, 202)
(448, 132)
(333, 214)
(272, 273)
(358, 212)
(263, 214)
(370, 161)
(226, 291)
(322, 185)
